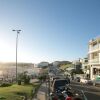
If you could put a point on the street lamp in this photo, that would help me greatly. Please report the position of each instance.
(18, 32)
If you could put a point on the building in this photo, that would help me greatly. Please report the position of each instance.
(82, 66)
(77, 64)
(85, 67)
(84, 63)
(94, 57)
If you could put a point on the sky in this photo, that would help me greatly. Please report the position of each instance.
(52, 30)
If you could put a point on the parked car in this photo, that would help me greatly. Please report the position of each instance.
(52, 80)
(68, 93)
(85, 81)
(59, 83)
(96, 81)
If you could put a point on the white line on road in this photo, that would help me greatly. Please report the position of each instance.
(84, 95)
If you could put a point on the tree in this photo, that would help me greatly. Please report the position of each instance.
(24, 77)
(42, 77)
(74, 71)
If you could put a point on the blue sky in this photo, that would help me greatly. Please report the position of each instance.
(51, 29)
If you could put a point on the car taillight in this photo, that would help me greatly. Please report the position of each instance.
(55, 98)
(68, 98)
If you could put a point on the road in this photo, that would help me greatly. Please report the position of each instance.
(91, 92)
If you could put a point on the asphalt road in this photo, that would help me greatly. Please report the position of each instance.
(91, 92)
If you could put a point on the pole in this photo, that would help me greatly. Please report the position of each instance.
(18, 31)
(49, 84)
(16, 53)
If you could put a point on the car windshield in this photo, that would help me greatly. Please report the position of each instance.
(60, 83)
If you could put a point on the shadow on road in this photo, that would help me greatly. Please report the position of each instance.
(92, 96)
(43, 89)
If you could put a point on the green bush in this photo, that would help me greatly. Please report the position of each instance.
(19, 82)
(23, 77)
(5, 84)
(42, 77)
(2, 98)
(26, 79)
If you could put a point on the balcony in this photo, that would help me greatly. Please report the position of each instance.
(95, 61)
(94, 49)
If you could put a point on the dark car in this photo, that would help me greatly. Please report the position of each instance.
(62, 91)
(54, 78)
(59, 83)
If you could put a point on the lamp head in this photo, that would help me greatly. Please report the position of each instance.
(16, 30)
(13, 30)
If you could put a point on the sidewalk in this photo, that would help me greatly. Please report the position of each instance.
(42, 93)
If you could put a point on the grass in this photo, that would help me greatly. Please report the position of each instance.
(15, 92)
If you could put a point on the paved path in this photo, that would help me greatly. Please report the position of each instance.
(42, 93)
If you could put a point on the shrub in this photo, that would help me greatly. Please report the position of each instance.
(42, 77)
(19, 82)
(26, 79)
(5, 84)
(23, 77)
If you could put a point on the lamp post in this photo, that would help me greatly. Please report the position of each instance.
(18, 32)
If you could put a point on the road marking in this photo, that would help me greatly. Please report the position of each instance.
(84, 95)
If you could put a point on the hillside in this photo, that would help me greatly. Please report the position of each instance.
(63, 67)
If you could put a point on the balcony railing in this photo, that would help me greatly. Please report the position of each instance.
(94, 60)
(94, 48)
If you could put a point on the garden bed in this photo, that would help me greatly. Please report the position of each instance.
(17, 92)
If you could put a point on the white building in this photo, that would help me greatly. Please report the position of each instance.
(94, 57)
(77, 64)
(85, 67)
(84, 63)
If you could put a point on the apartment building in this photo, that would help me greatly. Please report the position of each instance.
(94, 57)
(85, 67)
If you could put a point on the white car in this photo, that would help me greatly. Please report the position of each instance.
(85, 81)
